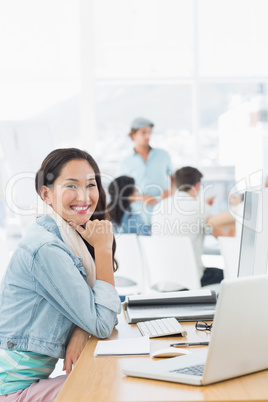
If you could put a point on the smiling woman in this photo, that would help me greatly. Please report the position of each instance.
(64, 273)
(69, 179)
(74, 195)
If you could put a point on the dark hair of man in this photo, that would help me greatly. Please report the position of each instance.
(120, 189)
(51, 169)
(187, 177)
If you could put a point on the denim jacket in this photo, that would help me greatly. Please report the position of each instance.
(44, 295)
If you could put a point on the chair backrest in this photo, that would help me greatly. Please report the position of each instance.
(170, 262)
(229, 247)
(130, 272)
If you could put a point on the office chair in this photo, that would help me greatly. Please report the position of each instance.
(170, 263)
(129, 279)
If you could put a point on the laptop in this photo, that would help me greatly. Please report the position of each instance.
(238, 343)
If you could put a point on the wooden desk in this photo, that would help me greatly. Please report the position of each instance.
(100, 379)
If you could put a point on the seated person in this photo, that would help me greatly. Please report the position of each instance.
(224, 223)
(122, 191)
(59, 285)
(185, 213)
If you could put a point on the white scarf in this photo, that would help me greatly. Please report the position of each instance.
(72, 240)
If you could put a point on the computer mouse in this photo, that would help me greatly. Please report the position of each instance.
(171, 352)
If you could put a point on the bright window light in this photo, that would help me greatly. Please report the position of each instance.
(40, 55)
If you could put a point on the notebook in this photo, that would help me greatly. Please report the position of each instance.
(124, 347)
(239, 339)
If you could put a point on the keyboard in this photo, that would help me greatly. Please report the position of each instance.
(161, 327)
(192, 370)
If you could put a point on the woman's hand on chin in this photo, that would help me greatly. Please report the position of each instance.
(98, 233)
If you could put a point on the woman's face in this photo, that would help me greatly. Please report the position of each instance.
(74, 195)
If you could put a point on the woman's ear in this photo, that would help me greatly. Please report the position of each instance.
(45, 193)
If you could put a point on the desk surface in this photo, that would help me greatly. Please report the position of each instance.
(100, 379)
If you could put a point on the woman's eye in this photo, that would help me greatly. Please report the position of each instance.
(91, 185)
(71, 186)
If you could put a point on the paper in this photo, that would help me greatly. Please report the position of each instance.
(124, 347)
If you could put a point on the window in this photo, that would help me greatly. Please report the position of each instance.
(186, 65)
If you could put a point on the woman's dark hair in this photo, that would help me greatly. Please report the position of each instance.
(51, 169)
(120, 189)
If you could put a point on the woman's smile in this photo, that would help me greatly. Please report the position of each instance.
(80, 209)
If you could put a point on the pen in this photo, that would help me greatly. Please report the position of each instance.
(189, 344)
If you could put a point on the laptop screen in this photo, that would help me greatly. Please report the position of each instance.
(249, 234)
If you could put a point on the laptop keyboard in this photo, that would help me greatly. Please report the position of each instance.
(193, 370)
(161, 327)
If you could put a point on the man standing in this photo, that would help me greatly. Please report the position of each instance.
(150, 168)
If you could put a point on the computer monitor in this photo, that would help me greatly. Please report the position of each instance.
(253, 256)
(248, 234)
(261, 243)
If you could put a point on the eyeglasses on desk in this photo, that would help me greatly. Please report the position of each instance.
(203, 326)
